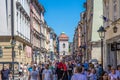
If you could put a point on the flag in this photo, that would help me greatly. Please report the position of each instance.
(105, 19)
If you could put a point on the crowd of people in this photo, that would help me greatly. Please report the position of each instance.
(64, 70)
(72, 70)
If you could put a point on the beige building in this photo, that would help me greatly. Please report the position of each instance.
(112, 35)
(77, 40)
(38, 31)
(89, 21)
(95, 15)
(89, 24)
(83, 36)
(78, 43)
(47, 46)
(22, 44)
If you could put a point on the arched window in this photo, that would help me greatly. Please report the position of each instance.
(63, 45)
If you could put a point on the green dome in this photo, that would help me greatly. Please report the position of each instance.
(63, 32)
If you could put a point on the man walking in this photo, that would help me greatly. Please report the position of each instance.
(5, 73)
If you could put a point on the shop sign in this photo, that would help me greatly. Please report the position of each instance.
(118, 46)
(115, 46)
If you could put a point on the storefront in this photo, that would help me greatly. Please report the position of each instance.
(112, 54)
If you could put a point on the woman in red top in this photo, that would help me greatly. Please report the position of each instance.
(59, 70)
(65, 72)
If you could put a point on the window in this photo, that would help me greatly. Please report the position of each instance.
(115, 10)
(63, 52)
(107, 14)
(63, 45)
(1, 52)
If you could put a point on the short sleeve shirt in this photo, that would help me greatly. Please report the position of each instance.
(113, 76)
(34, 75)
(118, 73)
(78, 76)
(47, 74)
(5, 74)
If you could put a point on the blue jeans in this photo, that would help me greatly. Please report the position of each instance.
(69, 77)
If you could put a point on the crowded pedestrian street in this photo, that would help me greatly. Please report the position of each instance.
(66, 70)
(59, 39)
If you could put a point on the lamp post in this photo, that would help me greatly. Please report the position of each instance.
(101, 32)
(115, 29)
(12, 35)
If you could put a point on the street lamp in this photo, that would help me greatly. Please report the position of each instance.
(12, 34)
(115, 29)
(101, 32)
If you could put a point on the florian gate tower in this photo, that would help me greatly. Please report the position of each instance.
(63, 45)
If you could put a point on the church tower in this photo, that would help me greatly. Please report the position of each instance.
(63, 45)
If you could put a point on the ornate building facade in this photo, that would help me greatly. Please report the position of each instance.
(111, 12)
(15, 23)
(38, 31)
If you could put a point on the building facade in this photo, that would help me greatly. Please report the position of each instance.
(37, 30)
(71, 48)
(47, 46)
(89, 22)
(77, 39)
(96, 23)
(20, 29)
(77, 51)
(83, 36)
(111, 11)
(88, 26)
(63, 45)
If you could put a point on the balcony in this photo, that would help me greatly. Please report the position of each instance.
(39, 35)
(23, 36)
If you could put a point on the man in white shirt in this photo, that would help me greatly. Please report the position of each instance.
(113, 75)
(47, 73)
(78, 74)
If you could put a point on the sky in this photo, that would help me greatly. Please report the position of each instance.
(63, 15)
